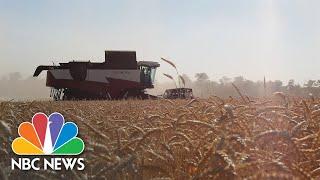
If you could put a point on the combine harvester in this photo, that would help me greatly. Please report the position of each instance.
(119, 77)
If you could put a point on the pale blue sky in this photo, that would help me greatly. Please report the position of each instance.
(276, 38)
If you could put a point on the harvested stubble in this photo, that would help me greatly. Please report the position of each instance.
(164, 139)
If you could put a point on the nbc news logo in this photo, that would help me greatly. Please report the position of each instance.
(48, 136)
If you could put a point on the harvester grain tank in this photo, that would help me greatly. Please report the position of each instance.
(120, 76)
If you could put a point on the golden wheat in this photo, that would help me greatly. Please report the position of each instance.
(165, 139)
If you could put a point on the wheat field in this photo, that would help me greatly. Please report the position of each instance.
(269, 138)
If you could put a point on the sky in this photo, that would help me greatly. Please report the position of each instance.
(278, 39)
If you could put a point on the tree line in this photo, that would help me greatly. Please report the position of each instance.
(204, 87)
(15, 86)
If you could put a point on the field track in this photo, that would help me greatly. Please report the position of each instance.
(276, 138)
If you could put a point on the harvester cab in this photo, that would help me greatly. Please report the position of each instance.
(120, 76)
(147, 72)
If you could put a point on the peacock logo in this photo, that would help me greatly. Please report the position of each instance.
(48, 136)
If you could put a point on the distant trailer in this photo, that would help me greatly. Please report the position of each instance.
(178, 93)
(119, 77)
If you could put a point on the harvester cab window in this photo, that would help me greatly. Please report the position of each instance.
(146, 75)
(148, 72)
(153, 74)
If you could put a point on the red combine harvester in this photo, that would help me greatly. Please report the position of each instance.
(119, 77)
